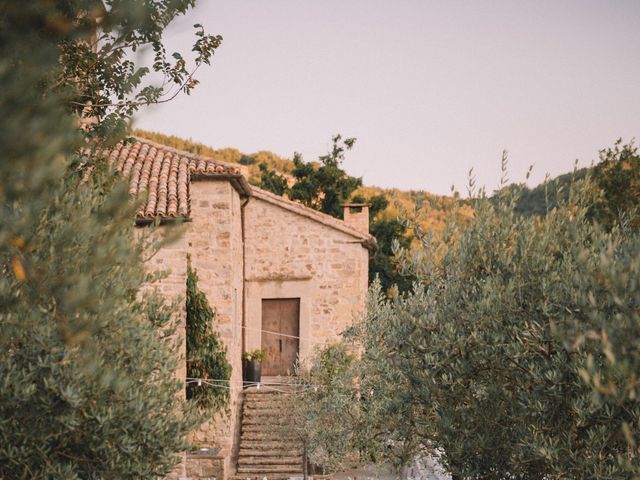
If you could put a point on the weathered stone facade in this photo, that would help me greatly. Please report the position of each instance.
(248, 245)
(214, 239)
(292, 251)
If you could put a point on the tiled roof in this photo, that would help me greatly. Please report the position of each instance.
(164, 176)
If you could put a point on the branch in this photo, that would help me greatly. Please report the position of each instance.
(145, 103)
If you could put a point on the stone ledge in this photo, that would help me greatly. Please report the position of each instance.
(205, 464)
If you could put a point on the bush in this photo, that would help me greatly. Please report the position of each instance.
(87, 362)
(87, 359)
(327, 410)
(517, 355)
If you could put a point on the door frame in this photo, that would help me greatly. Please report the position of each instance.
(257, 290)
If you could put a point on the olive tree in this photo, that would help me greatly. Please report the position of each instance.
(515, 355)
(87, 353)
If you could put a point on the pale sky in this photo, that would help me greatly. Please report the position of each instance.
(430, 89)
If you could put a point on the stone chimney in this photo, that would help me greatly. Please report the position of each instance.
(356, 215)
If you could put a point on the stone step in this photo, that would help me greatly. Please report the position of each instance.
(266, 412)
(263, 444)
(269, 393)
(269, 446)
(257, 470)
(267, 398)
(274, 460)
(260, 394)
(261, 451)
(264, 437)
(266, 394)
(266, 406)
(278, 401)
(275, 421)
(268, 476)
(284, 430)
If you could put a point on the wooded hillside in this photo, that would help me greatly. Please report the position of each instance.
(429, 210)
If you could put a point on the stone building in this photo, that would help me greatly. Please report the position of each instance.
(279, 275)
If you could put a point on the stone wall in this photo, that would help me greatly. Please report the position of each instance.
(291, 255)
(170, 260)
(204, 467)
(288, 252)
(214, 240)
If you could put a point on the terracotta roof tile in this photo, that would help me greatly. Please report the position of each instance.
(164, 176)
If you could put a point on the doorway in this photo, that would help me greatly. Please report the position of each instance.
(280, 335)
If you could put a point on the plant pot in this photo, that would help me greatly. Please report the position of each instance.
(252, 371)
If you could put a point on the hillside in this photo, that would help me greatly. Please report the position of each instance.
(536, 200)
(249, 162)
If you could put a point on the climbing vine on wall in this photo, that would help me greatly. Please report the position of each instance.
(206, 354)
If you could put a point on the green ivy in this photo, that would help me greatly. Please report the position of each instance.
(206, 354)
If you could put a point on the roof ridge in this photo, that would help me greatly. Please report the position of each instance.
(185, 153)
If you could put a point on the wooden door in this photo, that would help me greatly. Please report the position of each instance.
(280, 331)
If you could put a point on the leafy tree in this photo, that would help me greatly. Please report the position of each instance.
(98, 76)
(327, 409)
(391, 234)
(516, 356)
(617, 177)
(272, 180)
(206, 354)
(87, 353)
(325, 187)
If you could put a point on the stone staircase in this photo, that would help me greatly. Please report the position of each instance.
(268, 445)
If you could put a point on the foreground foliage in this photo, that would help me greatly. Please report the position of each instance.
(516, 355)
(87, 352)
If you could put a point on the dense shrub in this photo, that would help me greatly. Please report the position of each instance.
(87, 352)
(517, 353)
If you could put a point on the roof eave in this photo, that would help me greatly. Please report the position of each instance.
(161, 220)
(238, 182)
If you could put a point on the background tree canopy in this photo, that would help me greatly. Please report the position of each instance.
(323, 186)
(87, 355)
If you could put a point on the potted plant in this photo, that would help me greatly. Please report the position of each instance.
(252, 365)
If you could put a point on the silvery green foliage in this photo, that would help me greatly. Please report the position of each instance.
(327, 408)
(495, 354)
(517, 353)
(87, 355)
